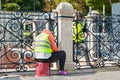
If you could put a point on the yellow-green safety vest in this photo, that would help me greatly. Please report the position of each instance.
(42, 44)
(77, 30)
(27, 33)
(27, 29)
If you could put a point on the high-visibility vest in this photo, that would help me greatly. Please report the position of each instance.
(55, 31)
(42, 47)
(27, 29)
(27, 33)
(77, 31)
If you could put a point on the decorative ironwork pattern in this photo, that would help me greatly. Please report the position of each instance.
(102, 42)
(16, 47)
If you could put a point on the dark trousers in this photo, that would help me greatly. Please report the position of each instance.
(56, 56)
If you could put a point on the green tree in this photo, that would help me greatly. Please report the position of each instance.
(98, 5)
(9, 4)
(114, 1)
(23, 4)
(58, 1)
(31, 4)
(53, 3)
(95, 4)
(78, 5)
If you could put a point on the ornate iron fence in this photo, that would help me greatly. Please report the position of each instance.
(102, 43)
(16, 49)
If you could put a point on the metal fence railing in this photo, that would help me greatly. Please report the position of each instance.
(16, 50)
(101, 45)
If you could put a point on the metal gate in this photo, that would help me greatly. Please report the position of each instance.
(17, 31)
(102, 43)
(16, 51)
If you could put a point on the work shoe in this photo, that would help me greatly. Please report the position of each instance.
(63, 72)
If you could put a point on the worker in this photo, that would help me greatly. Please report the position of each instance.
(27, 33)
(79, 35)
(46, 50)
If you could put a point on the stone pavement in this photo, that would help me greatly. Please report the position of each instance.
(83, 74)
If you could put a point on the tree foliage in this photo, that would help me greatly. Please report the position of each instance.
(114, 1)
(31, 4)
(23, 4)
(78, 5)
(98, 5)
(48, 5)
(11, 6)
(83, 5)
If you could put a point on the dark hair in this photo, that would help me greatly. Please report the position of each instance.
(78, 15)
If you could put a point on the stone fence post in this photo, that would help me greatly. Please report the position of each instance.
(65, 19)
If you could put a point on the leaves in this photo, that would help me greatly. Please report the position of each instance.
(48, 5)
(11, 6)
(23, 4)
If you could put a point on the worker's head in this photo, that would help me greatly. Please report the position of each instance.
(28, 26)
(78, 16)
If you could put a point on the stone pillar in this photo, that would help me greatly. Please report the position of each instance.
(90, 23)
(65, 19)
